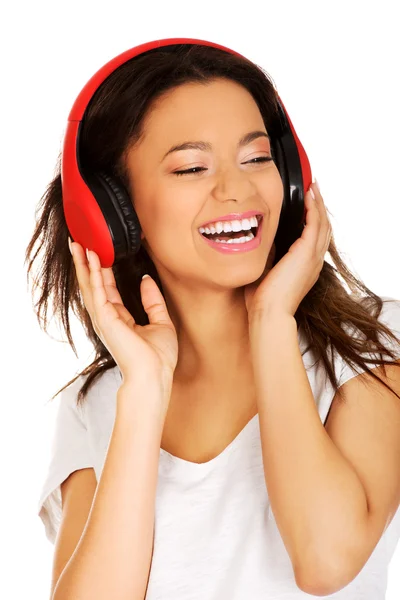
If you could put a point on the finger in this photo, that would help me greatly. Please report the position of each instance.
(326, 228)
(83, 275)
(328, 238)
(153, 302)
(311, 231)
(103, 308)
(110, 285)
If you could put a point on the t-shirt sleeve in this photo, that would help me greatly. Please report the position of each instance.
(390, 316)
(70, 451)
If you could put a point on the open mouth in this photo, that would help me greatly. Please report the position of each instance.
(242, 236)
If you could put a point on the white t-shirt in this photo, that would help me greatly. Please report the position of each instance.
(215, 534)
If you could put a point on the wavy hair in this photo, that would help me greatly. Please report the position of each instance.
(328, 315)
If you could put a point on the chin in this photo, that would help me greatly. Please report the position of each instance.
(236, 278)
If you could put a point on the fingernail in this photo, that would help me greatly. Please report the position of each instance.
(87, 255)
(69, 244)
(311, 192)
(145, 276)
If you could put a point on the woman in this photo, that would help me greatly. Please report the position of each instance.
(204, 453)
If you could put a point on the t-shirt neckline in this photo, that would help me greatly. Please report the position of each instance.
(177, 464)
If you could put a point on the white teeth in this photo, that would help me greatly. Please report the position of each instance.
(237, 226)
(228, 226)
(241, 240)
(254, 221)
(247, 224)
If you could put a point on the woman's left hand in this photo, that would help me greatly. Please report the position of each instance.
(285, 285)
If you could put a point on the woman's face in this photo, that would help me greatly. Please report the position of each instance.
(172, 207)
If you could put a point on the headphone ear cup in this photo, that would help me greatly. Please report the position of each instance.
(121, 217)
(279, 159)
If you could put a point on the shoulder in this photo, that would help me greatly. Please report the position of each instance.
(388, 316)
(321, 386)
(100, 395)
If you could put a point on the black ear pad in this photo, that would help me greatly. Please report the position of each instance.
(289, 226)
(123, 222)
(279, 159)
(281, 233)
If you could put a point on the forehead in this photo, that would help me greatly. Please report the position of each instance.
(195, 104)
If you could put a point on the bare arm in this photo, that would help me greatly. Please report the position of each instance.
(320, 505)
(113, 556)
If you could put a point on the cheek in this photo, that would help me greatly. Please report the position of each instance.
(168, 218)
(277, 188)
(270, 186)
(271, 192)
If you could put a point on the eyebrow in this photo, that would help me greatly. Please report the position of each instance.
(206, 146)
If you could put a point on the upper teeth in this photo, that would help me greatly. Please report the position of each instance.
(228, 226)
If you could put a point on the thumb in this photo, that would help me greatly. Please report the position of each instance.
(153, 302)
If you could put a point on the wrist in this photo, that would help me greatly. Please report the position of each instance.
(157, 384)
(265, 328)
(144, 401)
(269, 319)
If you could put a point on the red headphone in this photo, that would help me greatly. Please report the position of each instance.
(98, 210)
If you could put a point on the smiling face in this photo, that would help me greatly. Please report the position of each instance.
(223, 178)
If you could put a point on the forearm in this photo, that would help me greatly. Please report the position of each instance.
(316, 496)
(113, 556)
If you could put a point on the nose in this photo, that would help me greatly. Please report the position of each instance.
(232, 184)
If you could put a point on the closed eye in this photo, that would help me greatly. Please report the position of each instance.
(193, 170)
(259, 159)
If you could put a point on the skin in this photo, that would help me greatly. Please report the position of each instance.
(204, 289)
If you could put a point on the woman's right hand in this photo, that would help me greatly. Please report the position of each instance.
(142, 353)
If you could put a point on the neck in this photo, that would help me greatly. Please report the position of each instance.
(213, 337)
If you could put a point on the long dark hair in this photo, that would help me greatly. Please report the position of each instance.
(328, 315)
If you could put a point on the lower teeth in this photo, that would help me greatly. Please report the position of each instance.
(241, 240)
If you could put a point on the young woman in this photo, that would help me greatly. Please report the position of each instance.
(229, 440)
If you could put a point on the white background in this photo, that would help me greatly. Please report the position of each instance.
(335, 65)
